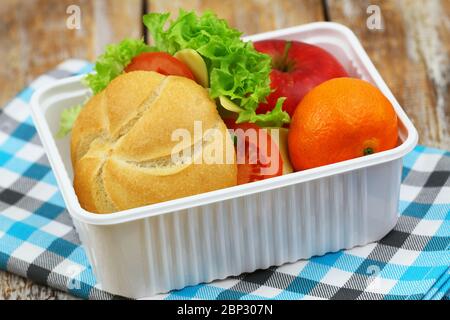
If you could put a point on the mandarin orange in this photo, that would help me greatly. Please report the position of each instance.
(341, 119)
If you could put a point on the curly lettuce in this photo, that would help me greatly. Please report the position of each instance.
(236, 70)
(112, 63)
(275, 118)
(68, 117)
(108, 66)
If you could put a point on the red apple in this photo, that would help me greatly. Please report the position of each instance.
(297, 67)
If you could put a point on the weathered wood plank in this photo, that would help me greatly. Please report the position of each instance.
(13, 287)
(115, 20)
(412, 52)
(412, 55)
(35, 36)
(250, 16)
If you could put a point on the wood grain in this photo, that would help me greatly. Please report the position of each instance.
(249, 16)
(13, 287)
(33, 39)
(34, 36)
(412, 55)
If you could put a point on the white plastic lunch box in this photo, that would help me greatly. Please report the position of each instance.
(154, 249)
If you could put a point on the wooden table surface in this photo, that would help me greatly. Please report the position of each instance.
(411, 52)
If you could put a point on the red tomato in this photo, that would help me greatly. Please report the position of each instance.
(160, 62)
(257, 159)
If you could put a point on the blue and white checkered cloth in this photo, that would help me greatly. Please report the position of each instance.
(38, 240)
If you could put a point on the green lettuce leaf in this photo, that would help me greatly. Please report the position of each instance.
(108, 66)
(68, 117)
(275, 118)
(235, 68)
(111, 63)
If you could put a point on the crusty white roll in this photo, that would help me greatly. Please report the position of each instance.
(122, 143)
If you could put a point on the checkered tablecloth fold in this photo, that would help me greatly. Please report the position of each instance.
(38, 240)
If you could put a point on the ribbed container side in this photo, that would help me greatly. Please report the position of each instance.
(244, 234)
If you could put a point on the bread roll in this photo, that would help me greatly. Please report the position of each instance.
(122, 143)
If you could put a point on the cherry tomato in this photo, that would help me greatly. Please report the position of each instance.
(260, 158)
(160, 62)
